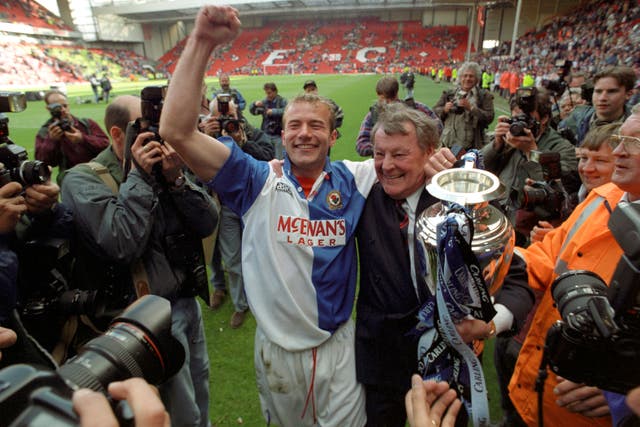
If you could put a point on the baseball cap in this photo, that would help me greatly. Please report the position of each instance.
(309, 83)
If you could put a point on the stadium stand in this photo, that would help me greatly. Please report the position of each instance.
(331, 46)
(597, 34)
(30, 13)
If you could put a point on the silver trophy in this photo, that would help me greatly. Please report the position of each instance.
(493, 238)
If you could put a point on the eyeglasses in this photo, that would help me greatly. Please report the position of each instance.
(631, 143)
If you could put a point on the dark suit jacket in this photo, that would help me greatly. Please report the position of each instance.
(387, 303)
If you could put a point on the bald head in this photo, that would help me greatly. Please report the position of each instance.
(122, 110)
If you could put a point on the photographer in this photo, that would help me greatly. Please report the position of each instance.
(28, 214)
(12, 206)
(65, 140)
(152, 221)
(408, 80)
(236, 96)
(271, 108)
(255, 143)
(466, 111)
(583, 242)
(509, 156)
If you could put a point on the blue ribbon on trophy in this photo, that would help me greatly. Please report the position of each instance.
(460, 292)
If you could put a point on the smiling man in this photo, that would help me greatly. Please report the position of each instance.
(298, 245)
(466, 111)
(392, 270)
(612, 88)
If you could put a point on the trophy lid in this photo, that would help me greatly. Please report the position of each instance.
(466, 186)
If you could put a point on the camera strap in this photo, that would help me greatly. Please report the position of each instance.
(461, 292)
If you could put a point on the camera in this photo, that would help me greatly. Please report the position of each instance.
(12, 102)
(151, 102)
(586, 92)
(17, 167)
(457, 108)
(598, 340)
(56, 114)
(557, 87)
(138, 343)
(185, 253)
(568, 134)
(46, 294)
(227, 122)
(259, 111)
(520, 122)
(527, 102)
(547, 198)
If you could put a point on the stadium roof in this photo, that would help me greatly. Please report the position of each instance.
(172, 10)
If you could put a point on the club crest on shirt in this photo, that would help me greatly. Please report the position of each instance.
(334, 200)
(280, 186)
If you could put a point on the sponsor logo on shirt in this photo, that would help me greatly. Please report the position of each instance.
(281, 186)
(334, 200)
(305, 232)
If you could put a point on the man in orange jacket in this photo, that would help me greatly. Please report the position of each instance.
(583, 242)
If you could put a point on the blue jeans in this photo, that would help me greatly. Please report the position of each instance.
(277, 144)
(217, 273)
(230, 243)
(186, 394)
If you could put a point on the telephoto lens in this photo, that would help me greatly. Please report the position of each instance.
(581, 297)
(31, 172)
(138, 343)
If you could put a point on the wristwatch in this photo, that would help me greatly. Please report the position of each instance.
(179, 182)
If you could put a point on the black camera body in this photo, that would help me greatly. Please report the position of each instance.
(151, 102)
(520, 122)
(455, 98)
(259, 111)
(598, 340)
(185, 252)
(17, 166)
(559, 86)
(137, 344)
(227, 122)
(547, 198)
(526, 100)
(47, 296)
(56, 114)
